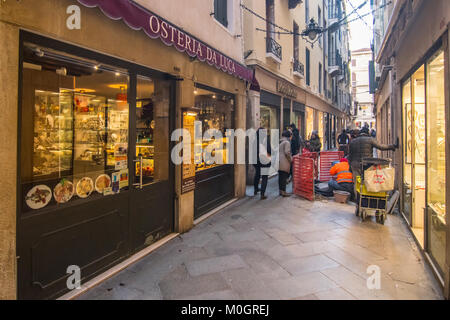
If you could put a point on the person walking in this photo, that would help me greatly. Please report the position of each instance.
(263, 152)
(285, 162)
(296, 141)
(343, 142)
(297, 144)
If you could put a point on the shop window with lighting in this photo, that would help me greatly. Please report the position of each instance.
(215, 112)
(221, 11)
(436, 158)
(152, 127)
(74, 129)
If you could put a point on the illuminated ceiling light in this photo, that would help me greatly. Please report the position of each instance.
(84, 90)
(195, 92)
(214, 96)
(117, 74)
(120, 86)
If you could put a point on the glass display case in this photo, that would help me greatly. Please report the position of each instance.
(215, 113)
(53, 134)
(145, 140)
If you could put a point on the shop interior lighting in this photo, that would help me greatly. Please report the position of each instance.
(39, 52)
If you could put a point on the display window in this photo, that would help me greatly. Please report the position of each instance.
(309, 122)
(407, 146)
(321, 129)
(269, 118)
(299, 118)
(424, 157)
(436, 158)
(74, 132)
(152, 127)
(215, 111)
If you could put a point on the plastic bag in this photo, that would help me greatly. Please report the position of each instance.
(379, 179)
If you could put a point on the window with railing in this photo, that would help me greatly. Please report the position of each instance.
(272, 47)
(299, 68)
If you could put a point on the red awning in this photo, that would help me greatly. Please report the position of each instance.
(139, 18)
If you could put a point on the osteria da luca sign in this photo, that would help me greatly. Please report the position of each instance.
(139, 18)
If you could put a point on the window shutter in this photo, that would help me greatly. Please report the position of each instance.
(220, 11)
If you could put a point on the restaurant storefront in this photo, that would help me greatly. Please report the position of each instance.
(95, 180)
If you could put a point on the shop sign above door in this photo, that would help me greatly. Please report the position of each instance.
(139, 18)
(285, 89)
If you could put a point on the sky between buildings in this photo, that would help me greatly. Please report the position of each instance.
(361, 35)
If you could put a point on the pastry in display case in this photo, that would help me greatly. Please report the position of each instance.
(53, 133)
(147, 151)
(145, 147)
(214, 144)
(117, 132)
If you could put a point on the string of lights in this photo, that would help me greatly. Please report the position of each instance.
(267, 21)
(361, 18)
(337, 24)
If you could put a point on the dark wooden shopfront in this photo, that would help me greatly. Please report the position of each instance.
(100, 231)
(215, 185)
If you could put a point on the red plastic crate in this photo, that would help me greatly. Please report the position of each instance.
(325, 160)
(303, 172)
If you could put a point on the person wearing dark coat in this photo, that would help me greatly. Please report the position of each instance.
(362, 147)
(296, 141)
(285, 165)
(258, 176)
(343, 141)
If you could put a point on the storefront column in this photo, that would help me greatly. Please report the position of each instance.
(184, 206)
(253, 109)
(253, 121)
(240, 169)
(9, 64)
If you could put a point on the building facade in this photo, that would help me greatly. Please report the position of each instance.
(301, 83)
(362, 97)
(95, 90)
(412, 97)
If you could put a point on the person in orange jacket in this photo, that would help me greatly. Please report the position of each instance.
(344, 177)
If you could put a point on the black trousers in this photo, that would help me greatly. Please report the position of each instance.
(282, 180)
(265, 178)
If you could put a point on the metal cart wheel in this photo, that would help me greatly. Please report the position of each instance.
(382, 218)
(363, 215)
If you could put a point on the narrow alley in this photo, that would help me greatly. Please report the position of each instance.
(280, 248)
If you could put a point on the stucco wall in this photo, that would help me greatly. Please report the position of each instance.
(195, 17)
(431, 21)
(9, 62)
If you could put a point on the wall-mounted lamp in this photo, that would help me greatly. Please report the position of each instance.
(247, 53)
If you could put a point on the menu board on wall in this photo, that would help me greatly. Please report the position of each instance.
(188, 169)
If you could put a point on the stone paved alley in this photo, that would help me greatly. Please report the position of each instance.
(279, 249)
